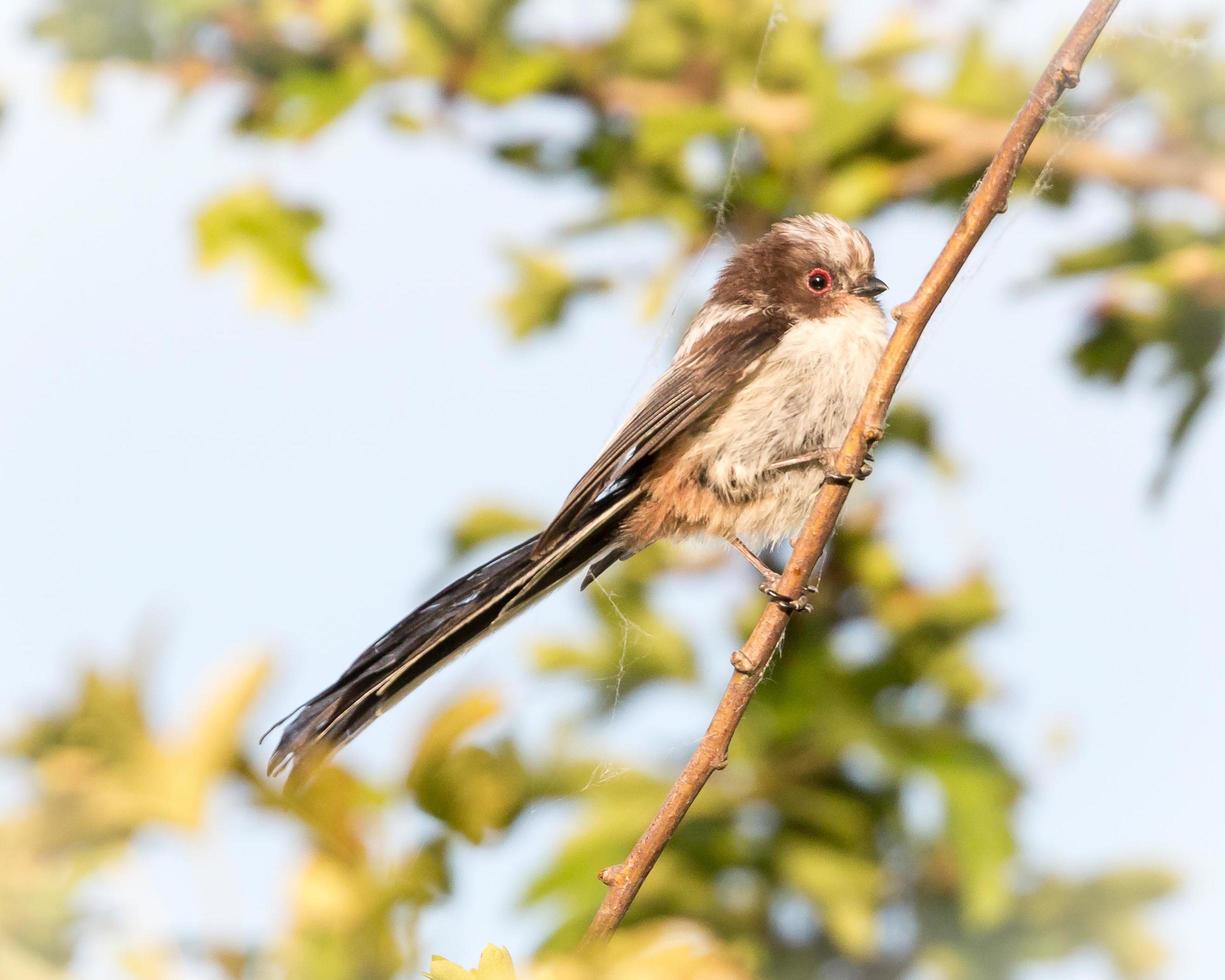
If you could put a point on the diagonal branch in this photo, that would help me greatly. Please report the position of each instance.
(990, 198)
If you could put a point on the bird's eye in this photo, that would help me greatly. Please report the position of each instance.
(819, 280)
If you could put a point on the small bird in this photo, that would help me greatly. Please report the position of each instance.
(732, 442)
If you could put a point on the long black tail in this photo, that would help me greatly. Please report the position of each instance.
(438, 629)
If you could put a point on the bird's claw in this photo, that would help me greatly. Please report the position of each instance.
(789, 604)
(846, 479)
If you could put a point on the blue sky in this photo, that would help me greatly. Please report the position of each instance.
(182, 471)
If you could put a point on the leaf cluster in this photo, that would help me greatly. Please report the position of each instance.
(712, 116)
(861, 823)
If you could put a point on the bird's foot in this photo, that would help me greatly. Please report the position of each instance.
(770, 580)
(827, 459)
(846, 479)
(788, 604)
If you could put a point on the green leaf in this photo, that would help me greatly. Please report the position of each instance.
(911, 425)
(985, 84)
(844, 886)
(503, 73)
(634, 645)
(298, 103)
(268, 238)
(470, 788)
(979, 794)
(93, 30)
(451, 725)
(1166, 295)
(541, 294)
(1141, 245)
(857, 189)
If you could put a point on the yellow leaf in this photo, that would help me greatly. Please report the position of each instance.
(495, 965)
(268, 238)
(444, 969)
(188, 767)
(673, 949)
(539, 298)
(331, 894)
(331, 16)
(845, 886)
(451, 724)
(471, 788)
(74, 87)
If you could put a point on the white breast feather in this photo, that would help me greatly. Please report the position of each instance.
(804, 397)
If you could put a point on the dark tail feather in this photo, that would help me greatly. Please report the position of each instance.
(437, 630)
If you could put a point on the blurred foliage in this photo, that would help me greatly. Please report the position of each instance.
(863, 827)
(678, 90)
(635, 645)
(542, 291)
(1165, 293)
(495, 964)
(269, 238)
(666, 950)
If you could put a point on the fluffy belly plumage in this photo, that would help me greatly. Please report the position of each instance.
(802, 398)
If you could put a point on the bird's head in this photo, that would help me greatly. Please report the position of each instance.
(809, 266)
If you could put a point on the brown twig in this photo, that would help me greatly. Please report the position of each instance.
(990, 198)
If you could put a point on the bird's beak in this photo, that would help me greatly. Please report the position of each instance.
(871, 286)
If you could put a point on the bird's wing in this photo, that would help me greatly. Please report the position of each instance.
(697, 383)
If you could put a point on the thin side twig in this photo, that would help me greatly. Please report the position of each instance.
(989, 198)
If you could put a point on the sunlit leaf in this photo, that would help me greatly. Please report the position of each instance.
(269, 239)
(671, 949)
(979, 794)
(913, 426)
(845, 887)
(543, 289)
(471, 788)
(1166, 295)
(495, 964)
(298, 104)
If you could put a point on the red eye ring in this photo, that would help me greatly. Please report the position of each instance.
(819, 281)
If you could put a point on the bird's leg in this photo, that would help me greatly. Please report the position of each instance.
(770, 579)
(770, 576)
(822, 457)
(825, 458)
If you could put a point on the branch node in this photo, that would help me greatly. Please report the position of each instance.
(610, 874)
(873, 434)
(1067, 77)
(742, 663)
(719, 763)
